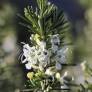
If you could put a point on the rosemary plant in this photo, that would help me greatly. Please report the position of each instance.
(47, 54)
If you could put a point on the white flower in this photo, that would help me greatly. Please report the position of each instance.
(26, 46)
(28, 65)
(29, 53)
(54, 48)
(26, 53)
(41, 67)
(61, 59)
(61, 55)
(42, 45)
(32, 60)
(40, 56)
(26, 50)
(50, 72)
(58, 75)
(63, 50)
(44, 57)
(23, 60)
(55, 39)
(58, 66)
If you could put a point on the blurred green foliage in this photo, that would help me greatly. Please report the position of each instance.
(11, 77)
(86, 3)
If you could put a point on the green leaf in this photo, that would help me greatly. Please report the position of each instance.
(30, 15)
(46, 20)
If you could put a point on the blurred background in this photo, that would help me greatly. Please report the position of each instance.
(12, 76)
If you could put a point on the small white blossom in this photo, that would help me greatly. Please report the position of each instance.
(28, 66)
(58, 66)
(49, 72)
(61, 55)
(40, 56)
(26, 50)
(58, 75)
(41, 67)
(23, 61)
(54, 48)
(42, 45)
(26, 53)
(30, 55)
(55, 39)
(63, 50)
(44, 57)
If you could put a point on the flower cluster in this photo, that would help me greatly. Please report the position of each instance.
(45, 61)
(45, 57)
(39, 56)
